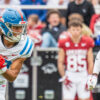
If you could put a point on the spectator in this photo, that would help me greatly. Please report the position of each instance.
(82, 7)
(85, 29)
(95, 24)
(63, 12)
(34, 29)
(8, 2)
(95, 27)
(58, 2)
(40, 13)
(53, 29)
(95, 2)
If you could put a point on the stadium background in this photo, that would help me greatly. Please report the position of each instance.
(38, 79)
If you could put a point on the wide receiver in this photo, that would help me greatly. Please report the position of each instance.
(15, 46)
(76, 53)
(93, 78)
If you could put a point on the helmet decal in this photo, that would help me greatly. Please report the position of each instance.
(20, 14)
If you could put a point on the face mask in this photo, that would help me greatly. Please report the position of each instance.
(13, 38)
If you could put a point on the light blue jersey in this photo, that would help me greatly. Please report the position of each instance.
(22, 50)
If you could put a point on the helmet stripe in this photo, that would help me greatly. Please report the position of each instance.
(20, 14)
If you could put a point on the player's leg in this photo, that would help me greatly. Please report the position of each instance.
(83, 93)
(3, 84)
(2, 97)
(68, 92)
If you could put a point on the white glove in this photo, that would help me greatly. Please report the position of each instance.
(91, 82)
(62, 79)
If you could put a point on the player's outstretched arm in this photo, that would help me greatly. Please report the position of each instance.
(61, 57)
(14, 70)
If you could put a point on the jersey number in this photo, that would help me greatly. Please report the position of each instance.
(76, 63)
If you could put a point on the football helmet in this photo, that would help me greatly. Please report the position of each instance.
(12, 18)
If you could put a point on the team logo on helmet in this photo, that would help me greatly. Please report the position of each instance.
(22, 22)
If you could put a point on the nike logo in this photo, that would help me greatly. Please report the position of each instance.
(83, 44)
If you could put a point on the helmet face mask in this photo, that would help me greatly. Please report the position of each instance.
(13, 25)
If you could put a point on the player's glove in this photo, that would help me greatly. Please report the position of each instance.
(66, 81)
(62, 79)
(3, 67)
(91, 82)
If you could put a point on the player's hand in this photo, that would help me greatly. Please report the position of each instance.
(66, 81)
(91, 82)
(3, 67)
(62, 79)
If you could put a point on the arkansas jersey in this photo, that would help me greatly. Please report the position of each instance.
(75, 54)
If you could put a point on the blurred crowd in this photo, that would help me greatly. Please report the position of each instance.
(45, 26)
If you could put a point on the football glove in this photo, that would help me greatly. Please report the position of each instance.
(66, 81)
(91, 82)
(3, 67)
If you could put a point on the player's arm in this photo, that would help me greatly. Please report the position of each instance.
(92, 79)
(90, 61)
(61, 58)
(96, 69)
(12, 73)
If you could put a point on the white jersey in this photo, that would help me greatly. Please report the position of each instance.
(21, 50)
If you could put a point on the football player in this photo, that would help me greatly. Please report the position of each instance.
(75, 62)
(93, 78)
(15, 46)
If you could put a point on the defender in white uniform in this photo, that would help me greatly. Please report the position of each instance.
(15, 46)
(92, 79)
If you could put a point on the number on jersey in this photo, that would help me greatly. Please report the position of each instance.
(76, 63)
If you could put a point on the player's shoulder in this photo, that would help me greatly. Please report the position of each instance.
(27, 47)
(87, 38)
(64, 37)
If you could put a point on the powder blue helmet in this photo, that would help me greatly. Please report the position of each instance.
(12, 17)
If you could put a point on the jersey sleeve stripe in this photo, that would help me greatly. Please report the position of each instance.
(27, 42)
(30, 47)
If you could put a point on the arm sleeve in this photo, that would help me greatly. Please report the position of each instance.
(28, 50)
(60, 44)
(97, 64)
(91, 42)
(61, 41)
